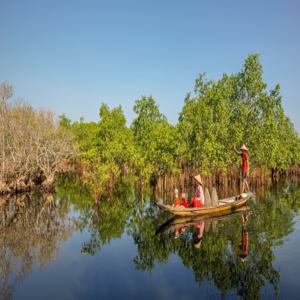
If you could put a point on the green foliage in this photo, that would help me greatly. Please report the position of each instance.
(64, 121)
(236, 109)
(204, 125)
(155, 139)
(106, 148)
(219, 116)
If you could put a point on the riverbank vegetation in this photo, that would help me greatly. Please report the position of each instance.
(32, 145)
(218, 116)
(215, 118)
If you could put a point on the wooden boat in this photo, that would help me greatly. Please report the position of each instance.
(228, 204)
(180, 221)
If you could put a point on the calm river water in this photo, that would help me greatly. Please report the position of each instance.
(65, 247)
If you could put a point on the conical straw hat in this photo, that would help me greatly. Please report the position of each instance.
(198, 178)
(244, 147)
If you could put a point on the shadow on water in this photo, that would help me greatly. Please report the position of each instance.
(234, 252)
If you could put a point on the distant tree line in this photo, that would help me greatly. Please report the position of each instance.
(217, 117)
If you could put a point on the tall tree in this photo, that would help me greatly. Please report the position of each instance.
(155, 138)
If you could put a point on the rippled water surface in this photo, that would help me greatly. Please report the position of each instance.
(66, 247)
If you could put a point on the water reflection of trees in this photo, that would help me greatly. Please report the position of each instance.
(31, 228)
(218, 259)
(104, 220)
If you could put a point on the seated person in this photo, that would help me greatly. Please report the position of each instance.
(177, 201)
(183, 201)
(198, 201)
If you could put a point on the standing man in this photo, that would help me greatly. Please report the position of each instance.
(245, 167)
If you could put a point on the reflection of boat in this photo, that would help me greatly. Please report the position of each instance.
(178, 221)
(228, 204)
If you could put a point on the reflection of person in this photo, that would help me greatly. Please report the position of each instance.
(179, 229)
(245, 238)
(245, 167)
(176, 232)
(200, 229)
(198, 201)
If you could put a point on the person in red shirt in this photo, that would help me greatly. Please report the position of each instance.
(177, 202)
(245, 167)
(183, 201)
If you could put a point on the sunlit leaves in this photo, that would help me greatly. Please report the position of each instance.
(217, 117)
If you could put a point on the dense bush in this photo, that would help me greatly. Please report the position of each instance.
(31, 140)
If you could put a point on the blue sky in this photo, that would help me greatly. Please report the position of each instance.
(69, 56)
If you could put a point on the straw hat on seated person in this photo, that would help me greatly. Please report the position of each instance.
(198, 179)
